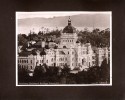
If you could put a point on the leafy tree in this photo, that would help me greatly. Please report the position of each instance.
(23, 75)
(39, 73)
(65, 70)
(105, 71)
(22, 39)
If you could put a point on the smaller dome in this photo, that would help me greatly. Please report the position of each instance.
(77, 41)
(51, 40)
(43, 52)
(47, 40)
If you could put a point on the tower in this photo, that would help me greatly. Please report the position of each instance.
(42, 43)
(69, 21)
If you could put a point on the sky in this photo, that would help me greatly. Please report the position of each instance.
(22, 15)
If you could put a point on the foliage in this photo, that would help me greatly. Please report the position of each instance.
(39, 73)
(23, 75)
(105, 71)
(96, 37)
(52, 74)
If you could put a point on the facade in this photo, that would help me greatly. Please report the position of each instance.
(68, 52)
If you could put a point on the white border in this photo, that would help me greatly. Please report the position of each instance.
(83, 12)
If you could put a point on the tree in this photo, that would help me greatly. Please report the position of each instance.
(52, 75)
(65, 70)
(39, 73)
(22, 39)
(23, 75)
(105, 71)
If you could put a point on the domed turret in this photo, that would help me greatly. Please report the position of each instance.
(69, 28)
(77, 41)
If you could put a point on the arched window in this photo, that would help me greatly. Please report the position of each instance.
(52, 59)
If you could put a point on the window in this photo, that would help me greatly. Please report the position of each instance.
(84, 52)
(31, 67)
(31, 61)
(65, 59)
(93, 57)
(52, 59)
(93, 62)
(27, 61)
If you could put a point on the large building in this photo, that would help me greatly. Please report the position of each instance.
(68, 52)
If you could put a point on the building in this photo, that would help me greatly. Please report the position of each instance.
(68, 52)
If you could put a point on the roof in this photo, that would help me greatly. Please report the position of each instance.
(42, 52)
(69, 29)
(77, 41)
(38, 43)
(25, 53)
(61, 53)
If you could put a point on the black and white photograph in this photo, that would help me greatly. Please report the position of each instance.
(64, 48)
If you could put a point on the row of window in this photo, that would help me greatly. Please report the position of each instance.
(62, 59)
(67, 40)
(24, 61)
(26, 67)
(41, 61)
(61, 64)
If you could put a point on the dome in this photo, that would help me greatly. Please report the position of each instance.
(77, 41)
(69, 28)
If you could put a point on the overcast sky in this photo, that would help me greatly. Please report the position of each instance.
(22, 15)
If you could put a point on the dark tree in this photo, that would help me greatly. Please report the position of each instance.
(23, 75)
(105, 71)
(39, 73)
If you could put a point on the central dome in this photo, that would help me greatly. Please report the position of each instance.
(69, 28)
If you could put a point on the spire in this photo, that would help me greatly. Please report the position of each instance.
(69, 21)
